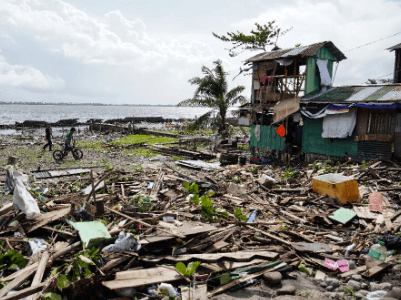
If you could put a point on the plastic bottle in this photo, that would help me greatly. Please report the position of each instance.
(377, 254)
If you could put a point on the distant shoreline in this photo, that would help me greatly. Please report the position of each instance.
(85, 104)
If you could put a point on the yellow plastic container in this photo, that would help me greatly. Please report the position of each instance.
(334, 185)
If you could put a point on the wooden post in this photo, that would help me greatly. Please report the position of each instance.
(93, 187)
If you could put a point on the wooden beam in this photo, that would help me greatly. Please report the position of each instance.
(25, 292)
(40, 271)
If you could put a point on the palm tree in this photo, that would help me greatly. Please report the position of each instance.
(212, 92)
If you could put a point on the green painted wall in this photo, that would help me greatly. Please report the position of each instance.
(268, 138)
(312, 141)
(312, 74)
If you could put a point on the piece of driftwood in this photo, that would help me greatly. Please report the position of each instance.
(136, 278)
(64, 251)
(215, 257)
(16, 281)
(47, 218)
(244, 279)
(25, 292)
(14, 275)
(274, 237)
(37, 279)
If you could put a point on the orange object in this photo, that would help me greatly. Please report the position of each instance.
(334, 185)
(281, 130)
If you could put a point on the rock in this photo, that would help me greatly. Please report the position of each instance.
(354, 284)
(286, 290)
(387, 298)
(394, 293)
(352, 264)
(323, 284)
(386, 286)
(273, 278)
(364, 286)
(397, 268)
(361, 294)
(356, 277)
(330, 288)
(333, 282)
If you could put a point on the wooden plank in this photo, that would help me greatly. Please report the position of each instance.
(381, 267)
(353, 272)
(216, 247)
(274, 237)
(364, 212)
(16, 282)
(6, 208)
(40, 271)
(241, 256)
(18, 273)
(47, 218)
(25, 292)
(244, 279)
(136, 278)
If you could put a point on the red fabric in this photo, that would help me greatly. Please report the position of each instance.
(281, 131)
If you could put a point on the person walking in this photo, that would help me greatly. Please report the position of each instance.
(49, 136)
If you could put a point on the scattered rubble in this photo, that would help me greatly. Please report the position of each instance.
(202, 230)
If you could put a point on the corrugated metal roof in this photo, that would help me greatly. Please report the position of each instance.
(346, 94)
(306, 51)
(398, 46)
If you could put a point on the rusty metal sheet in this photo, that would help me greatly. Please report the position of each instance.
(284, 108)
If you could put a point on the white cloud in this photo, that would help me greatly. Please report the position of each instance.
(26, 76)
(347, 24)
(113, 40)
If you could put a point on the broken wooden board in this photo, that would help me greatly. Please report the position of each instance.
(381, 267)
(187, 228)
(58, 173)
(143, 277)
(17, 273)
(231, 265)
(312, 247)
(364, 212)
(200, 292)
(244, 279)
(25, 292)
(216, 247)
(17, 281)
(47, 218)
(353, 272)
(241, 256)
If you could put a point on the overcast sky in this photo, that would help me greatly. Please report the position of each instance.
(144, 51)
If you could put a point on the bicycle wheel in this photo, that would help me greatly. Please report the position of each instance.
(58, 155)
(77, 153)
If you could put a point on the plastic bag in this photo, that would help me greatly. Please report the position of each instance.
(37, 246)
(125, 241)
(391, 241)
(168, 290)
(376, 295)
(24, 201)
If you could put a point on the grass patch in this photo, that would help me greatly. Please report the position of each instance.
(144, 138)
(93, 145)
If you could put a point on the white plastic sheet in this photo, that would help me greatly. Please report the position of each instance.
(125, 241)
(376, 295)
(325, 78)
(23, 200)
(37, 246)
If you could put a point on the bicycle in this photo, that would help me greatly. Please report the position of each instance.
(59, 155)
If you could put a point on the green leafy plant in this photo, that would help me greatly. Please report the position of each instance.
(238, 214)
(143, 203)
(192, 189)
(12, 261)
(51, 296)
(302, 294)
(188, 270)
(364, 164)
(287, 174)
(302, 268)
(236, 179)
(254, 170)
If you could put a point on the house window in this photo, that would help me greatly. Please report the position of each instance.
(381, 123)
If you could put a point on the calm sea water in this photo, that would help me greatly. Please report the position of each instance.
(9, 114)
